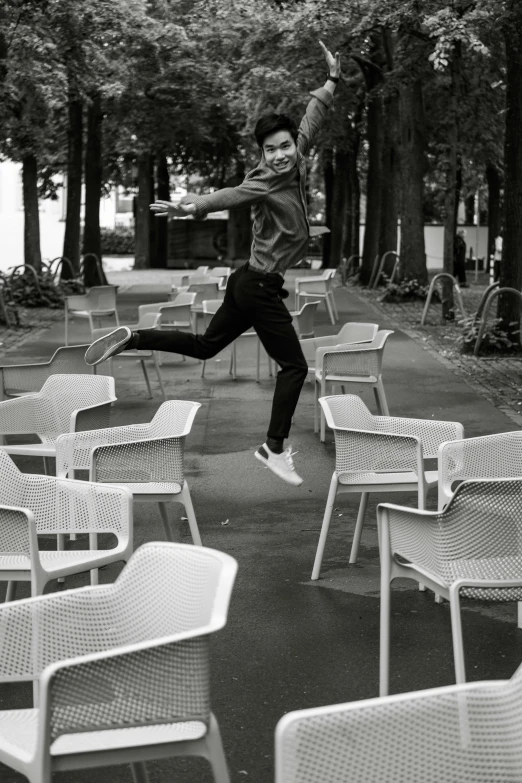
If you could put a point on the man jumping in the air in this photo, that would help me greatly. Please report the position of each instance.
(254, 295)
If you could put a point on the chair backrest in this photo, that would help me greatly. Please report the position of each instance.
(203, 280)
(304, 320)
(211, 306)
(175, 315)
(358, 360)
(347, 410)
(11, 484)
(467, 733)
(208, 290)
(488, 456)
(353, 332)
(173, 418)
(148, 320)
(202, 270)
(221, 271)
(48, 412)
(144, 673)
(185, 297)
(68, 360)
(101, 297)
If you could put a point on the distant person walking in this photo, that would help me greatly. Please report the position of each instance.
(459, 258)
(276, 189)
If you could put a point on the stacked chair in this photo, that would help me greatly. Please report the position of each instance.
(18, 379)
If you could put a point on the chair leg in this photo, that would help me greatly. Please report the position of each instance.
(165, 520)
(380, 398)
(93, 544)
(216, 754)
(60, 546)
(519, 614)
(384, 645)
(66, 326)
(316, 407)
(334, 305)
(10, 592)
(146, 375)
(158, 373)
(456, 633)
(234, 361)
(358, 527)
(46, 467)
(139, 772)
(329, 308)
(325, 527)
(323, 417)
(191, 516)
(258, 359)
(203, 365)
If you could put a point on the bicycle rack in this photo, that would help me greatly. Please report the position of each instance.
(375, 280)
(347, 267)
(431, 289)
(33, 272)
(483, 317)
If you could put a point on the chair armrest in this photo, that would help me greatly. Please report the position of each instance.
(73, 450)
(144, 461)
(362, 451)
(430, 431)
(92, 417)
(76, 302)
(17, 415)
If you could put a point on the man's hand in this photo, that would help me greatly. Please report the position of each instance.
(333, 63)
(162, 208)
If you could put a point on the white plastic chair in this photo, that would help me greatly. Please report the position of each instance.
(303, 320)
(18, 379)
(351, 332)
(148, 320)
(471, 549)
(178, 299)
(65, 403)
(176, 314)
(353, 363)
(99, 302)
(209, 308)
(317, 287)
(145, 458)
(378, 454)
(123, 676)
(457, 734)
(489, 456)
(33, 505)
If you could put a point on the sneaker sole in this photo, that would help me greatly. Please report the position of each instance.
(107, 346)
(283, 476)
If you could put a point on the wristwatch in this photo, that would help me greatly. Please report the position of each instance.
(334, 79)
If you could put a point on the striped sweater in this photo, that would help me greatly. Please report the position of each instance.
(281, 229)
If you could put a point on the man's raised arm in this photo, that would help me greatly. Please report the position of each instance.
(322, 99)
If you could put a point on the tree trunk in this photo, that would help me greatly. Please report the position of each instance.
(373, 187)
(71, 242)
(239, 224)
(353, 212)
(143, 200)
(329, 178)
(32, 253)
(469, 209)
(450, 197)
(339, 199)
(93, 180)
(412, 166)
(389, 208)
(494, 184)
(153, 249)
(511, 265)
(162, 226)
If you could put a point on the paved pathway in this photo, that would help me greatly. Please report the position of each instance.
(290, 642)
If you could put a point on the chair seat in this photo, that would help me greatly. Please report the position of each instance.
(53, 560)
(95, 313)
(152, 487)
(381, 479)
(345, 378)
(18, 735)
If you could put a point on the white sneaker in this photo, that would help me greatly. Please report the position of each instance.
(280, 464)
(108, 345)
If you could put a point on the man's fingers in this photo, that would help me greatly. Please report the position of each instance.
(161, 214)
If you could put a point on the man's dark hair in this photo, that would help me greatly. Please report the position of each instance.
(272, 123)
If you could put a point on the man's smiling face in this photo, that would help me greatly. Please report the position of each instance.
(280, 151)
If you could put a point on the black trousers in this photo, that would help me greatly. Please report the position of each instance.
(252, 299)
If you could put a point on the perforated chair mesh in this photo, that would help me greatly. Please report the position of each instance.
(351, 332)
(14, 535)
(490, 456)
(99, 299)
(477, 536)
(353, 360)
(364, 441)
(164, 591)
(463, 734)
(48, 412)
(135, 461)
(31, 377)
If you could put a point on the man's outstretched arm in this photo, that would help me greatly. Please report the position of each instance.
(249, 192)
(321, 101)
